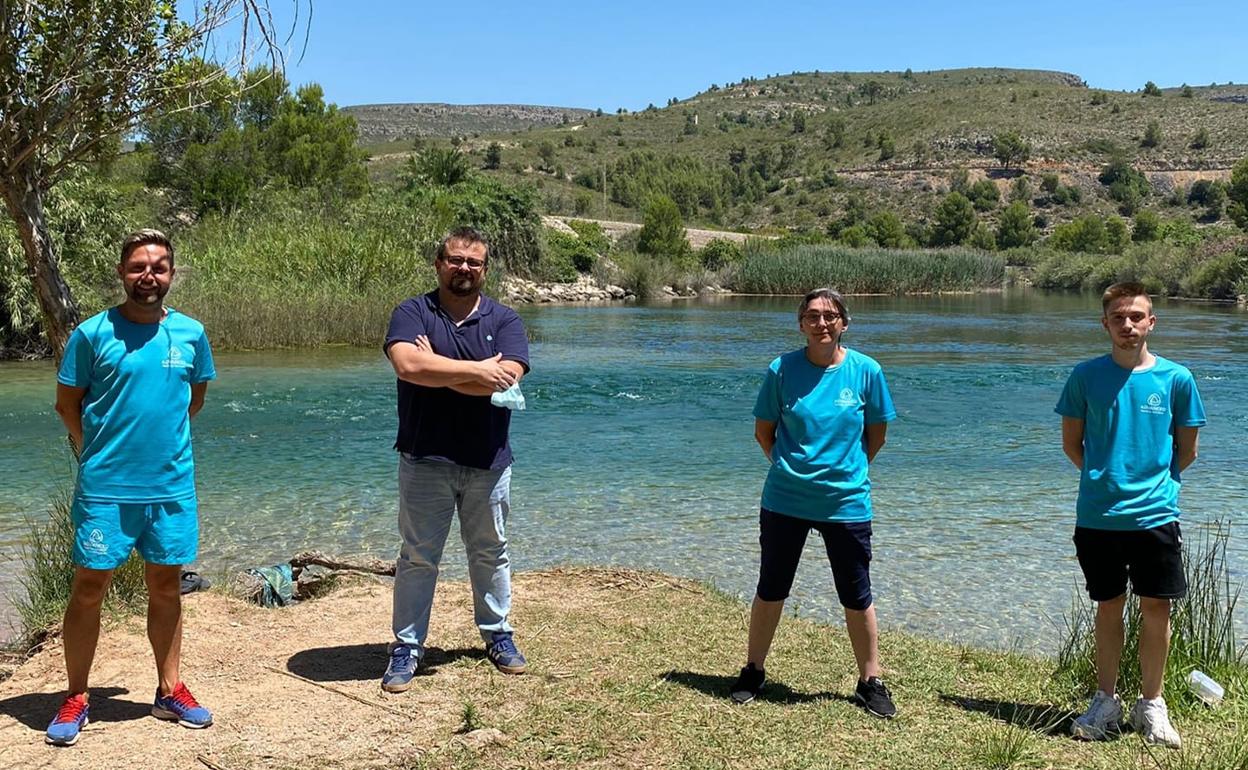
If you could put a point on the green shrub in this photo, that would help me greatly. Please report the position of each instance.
(719, 253)
(886, 229)
(564, 257)
(1218, 277)
(1146, 227)
(955, 220)
(1085, 234)
(592, 235)
(662, 230)
(48, 575)
(984, 195)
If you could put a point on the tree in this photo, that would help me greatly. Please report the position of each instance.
(1015, 228)
(547, 152)
(1237, 192)
(834, 133)
(493, 155)
(955, 220)
(1151, 89)
(1145, 227)
(872, 89)
(984, 195)
(662, 230)
(1152, 135)
(437, 167)
(1187, 92)
(887, 230)
(887, 147)
(76, 76)
(1011, 149)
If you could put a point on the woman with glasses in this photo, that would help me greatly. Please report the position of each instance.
(820, 418)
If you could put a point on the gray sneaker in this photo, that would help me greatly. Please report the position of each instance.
(1151, 719)
(401, 669)
(1104, 716)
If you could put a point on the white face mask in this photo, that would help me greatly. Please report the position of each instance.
(511, 398)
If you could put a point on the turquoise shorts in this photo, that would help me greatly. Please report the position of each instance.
(105, 533)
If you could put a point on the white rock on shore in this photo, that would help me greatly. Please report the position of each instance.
(584, 289)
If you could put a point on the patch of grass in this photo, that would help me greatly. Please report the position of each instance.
(48, 575)
(1005, 747)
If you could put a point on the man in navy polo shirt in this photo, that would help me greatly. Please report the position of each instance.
(453, 349)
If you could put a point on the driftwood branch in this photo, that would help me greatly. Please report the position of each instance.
(371, 566)
(339, 691)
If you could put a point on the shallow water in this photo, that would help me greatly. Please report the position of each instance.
(637, 450)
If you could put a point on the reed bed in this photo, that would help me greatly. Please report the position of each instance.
(867, 271)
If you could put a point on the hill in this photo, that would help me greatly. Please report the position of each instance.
(391, 122)
(799, 151)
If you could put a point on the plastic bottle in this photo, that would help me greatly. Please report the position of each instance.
(1205, 688)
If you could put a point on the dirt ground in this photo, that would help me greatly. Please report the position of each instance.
(238, 660)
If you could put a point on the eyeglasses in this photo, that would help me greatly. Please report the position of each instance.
(472, 263)
(814, 318)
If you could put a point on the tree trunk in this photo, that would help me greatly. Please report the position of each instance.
(60, 313)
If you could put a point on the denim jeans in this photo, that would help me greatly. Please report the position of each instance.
(430, 493)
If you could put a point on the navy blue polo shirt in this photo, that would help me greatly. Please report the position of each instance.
(440, 423)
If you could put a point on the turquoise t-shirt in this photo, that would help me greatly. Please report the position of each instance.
(1130, 480)
(819, 463)
(136, 430)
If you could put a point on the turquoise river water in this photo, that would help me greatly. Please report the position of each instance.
(637, 450)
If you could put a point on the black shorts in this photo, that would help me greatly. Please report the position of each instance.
(1152, 559)
(848, 545)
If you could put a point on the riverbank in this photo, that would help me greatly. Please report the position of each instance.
(627, 669)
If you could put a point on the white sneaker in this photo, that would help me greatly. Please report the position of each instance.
(1103, 716)
(1151, 719)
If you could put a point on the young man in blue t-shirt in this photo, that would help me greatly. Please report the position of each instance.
(130, 381)
(459, 357)
(1129, 423)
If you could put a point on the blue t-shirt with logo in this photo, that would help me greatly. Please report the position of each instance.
(1130, 479)
(136, 428)
(819, 461)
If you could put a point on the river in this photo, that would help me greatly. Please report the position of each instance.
(637, 450)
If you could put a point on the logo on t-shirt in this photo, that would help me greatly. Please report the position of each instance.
(95, 542)
(1155, 405)
(175, 359)
(847, 397)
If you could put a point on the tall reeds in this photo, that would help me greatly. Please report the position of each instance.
(866, 271)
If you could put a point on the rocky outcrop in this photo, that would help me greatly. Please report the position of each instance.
(518, 290)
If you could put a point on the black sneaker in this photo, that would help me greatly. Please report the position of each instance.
(748, 685)
(874, 697)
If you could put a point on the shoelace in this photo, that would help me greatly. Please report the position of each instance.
(400, 657)
(71, 709)
(505, 646)
(1102, 708)
(183, 697)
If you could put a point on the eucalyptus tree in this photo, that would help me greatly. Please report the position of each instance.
(76, 76)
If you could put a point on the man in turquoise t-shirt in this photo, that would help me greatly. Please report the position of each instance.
(130, 381)
(1129, 423)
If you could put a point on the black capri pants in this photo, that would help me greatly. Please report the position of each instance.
(848, 544)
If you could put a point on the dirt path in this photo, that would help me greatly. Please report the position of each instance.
(613, 229)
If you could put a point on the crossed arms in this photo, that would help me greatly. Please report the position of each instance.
(415, 362)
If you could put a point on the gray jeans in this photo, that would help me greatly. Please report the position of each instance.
(430, 493)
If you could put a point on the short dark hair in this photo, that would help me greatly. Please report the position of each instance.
(465, 234)
(1124, 289)
(145, 237)
(832, 295)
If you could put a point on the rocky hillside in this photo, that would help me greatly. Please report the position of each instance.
(392, 122)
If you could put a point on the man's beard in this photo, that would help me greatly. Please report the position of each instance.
(462, 286)
(150, 296)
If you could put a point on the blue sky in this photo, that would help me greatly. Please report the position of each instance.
(586, 54)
